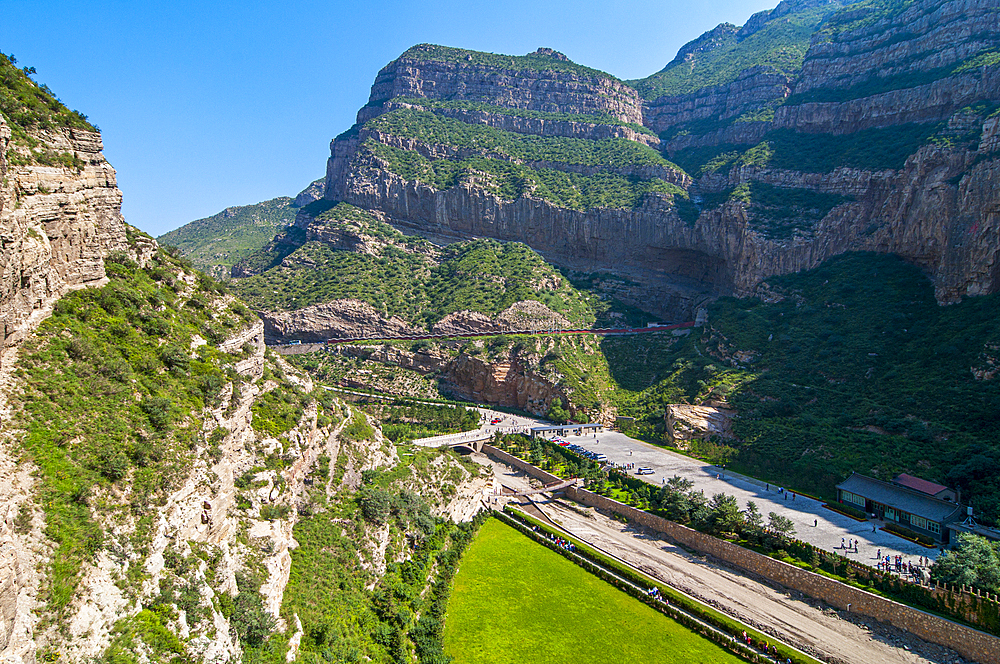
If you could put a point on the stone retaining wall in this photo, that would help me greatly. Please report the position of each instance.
(970, 643)
(520, 464)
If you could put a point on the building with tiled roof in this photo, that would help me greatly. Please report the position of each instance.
(915, 509)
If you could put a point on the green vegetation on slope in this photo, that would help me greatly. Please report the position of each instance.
(27, 107)
(404, 421)
(463, 104)
(316, 273)
(868, 149)
(509, 181)
(531, 61)
(862, 15)
(26, 104)
(409, 278)
(859, 369)
(113, 399)
(779, 46)
(214, 244)
(348, 613)
(615, 154)
(517, 601)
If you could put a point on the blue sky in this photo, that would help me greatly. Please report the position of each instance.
(207, 104)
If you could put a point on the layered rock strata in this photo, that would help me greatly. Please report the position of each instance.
(928, 62)
(57, 223)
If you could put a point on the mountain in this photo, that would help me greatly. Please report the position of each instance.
(813, 130)
(214, 244)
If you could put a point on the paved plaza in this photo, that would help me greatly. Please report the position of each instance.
(830, 527)
(814, 523)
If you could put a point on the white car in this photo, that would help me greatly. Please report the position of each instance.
(642, 470)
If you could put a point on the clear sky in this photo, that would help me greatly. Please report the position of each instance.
(206, 104)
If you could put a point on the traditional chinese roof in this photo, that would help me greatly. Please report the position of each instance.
(900, 498)
(919, 484)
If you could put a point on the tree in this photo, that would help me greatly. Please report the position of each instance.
(376, 505)
(753, 520)
(781, 525)
(556, 411)
(973, 561)
(726, 516)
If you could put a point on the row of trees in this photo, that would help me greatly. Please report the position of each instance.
(719, 515)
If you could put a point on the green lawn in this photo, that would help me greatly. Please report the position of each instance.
(516, 601)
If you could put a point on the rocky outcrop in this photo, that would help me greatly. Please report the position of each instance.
(337, 319)
(57, 223)
(420, 73)
(312, 193)
(462, 322)
(504, 383)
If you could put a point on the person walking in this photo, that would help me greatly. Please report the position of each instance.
(815, 523)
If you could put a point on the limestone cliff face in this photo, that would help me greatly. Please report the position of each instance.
(508, 381)
(418, 74)
(753, 89)
(872, 68)
(56, 223)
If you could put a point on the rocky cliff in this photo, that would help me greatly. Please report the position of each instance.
(811, 131)
(57, 222)
(154, 462)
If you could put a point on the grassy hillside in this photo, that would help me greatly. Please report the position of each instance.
(720, 56)
(214, 244)
(510, 165)
(410, 278)
(29, 106)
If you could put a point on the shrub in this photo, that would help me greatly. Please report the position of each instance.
(157, 409)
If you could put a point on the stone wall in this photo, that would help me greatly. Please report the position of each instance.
(970, 643)
(520, 464)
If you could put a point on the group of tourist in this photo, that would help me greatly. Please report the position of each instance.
(561, 543)
(762, 645)
(655, 593)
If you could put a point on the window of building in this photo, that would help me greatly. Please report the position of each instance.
(849, 497)
(934, 527)
(918, 521)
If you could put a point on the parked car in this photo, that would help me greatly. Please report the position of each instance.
(642, 470)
